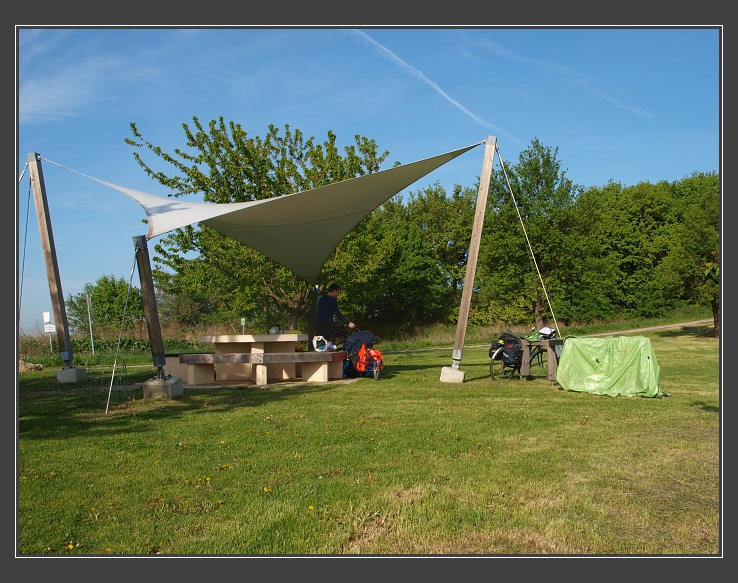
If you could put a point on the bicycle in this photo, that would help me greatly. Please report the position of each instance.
(506, 353)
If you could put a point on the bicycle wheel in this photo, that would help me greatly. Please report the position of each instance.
(496, 364)
(539, 360)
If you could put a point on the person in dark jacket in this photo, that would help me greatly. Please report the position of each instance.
(327, 312)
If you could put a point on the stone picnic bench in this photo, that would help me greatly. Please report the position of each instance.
(314, 367)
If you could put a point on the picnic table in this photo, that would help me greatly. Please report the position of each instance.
(549, 344)
(259, 359)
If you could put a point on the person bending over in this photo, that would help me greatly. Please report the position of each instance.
(327, 312)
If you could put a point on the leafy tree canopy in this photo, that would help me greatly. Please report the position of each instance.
(224, 164)
(111, 303)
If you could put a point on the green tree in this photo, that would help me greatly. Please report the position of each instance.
(213, 276)
(362, 262)
(111, 304)
(530, 211)
(638, 225)
(408, 287)
(446, 224)
(587, 284)
(646, 249)
(693, 259)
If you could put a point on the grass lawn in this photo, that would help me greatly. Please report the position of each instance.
(406, 465)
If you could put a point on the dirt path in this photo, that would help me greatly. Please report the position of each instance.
(614, 332)
(662, 327)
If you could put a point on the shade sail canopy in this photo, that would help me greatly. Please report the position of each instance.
(298, 230)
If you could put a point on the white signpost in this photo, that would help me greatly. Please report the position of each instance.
(49, 329)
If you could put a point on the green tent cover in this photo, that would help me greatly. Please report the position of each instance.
(613, 365)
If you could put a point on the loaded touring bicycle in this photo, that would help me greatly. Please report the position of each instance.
(506, 352)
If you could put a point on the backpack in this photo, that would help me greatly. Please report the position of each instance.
(366, 359)
(512, 349)
(354, 341)
(512, 353)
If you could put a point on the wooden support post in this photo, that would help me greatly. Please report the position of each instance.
(447, 374)
(49, 249)
(149, 304)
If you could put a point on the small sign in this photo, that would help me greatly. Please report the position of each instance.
(243, 321)
(49, 328)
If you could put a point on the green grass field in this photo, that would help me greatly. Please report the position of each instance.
(406, 465)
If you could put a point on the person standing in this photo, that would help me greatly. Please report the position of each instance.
(327, 312)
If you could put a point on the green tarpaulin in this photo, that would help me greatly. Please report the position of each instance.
(613, 365)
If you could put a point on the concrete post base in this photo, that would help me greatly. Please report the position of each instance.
(71, 375)
(171, 388)
(452, 375)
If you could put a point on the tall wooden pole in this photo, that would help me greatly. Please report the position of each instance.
(471, 263)
(149, 304)
(49, 249)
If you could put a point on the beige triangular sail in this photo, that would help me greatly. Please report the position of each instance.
(298, 230)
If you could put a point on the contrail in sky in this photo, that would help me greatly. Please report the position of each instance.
(419, 74)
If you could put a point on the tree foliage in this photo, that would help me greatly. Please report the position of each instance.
(112, 303)
(550, 249)
(692, 263)
(531, 213)
(214, 275)
(446, 221)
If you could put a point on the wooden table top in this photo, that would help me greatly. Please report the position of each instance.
(254, 338)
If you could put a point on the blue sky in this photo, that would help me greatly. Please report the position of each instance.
(623, 104)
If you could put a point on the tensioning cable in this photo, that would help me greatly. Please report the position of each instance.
(527, 240)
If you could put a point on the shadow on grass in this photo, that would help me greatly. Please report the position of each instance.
(53, 410)
(694, 331)
(706, 407)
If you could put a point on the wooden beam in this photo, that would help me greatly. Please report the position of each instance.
(149, 304)
(49, 249)
(471, 263)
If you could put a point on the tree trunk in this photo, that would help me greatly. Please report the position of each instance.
(538, 311)
(716, 317)
(293, 315)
